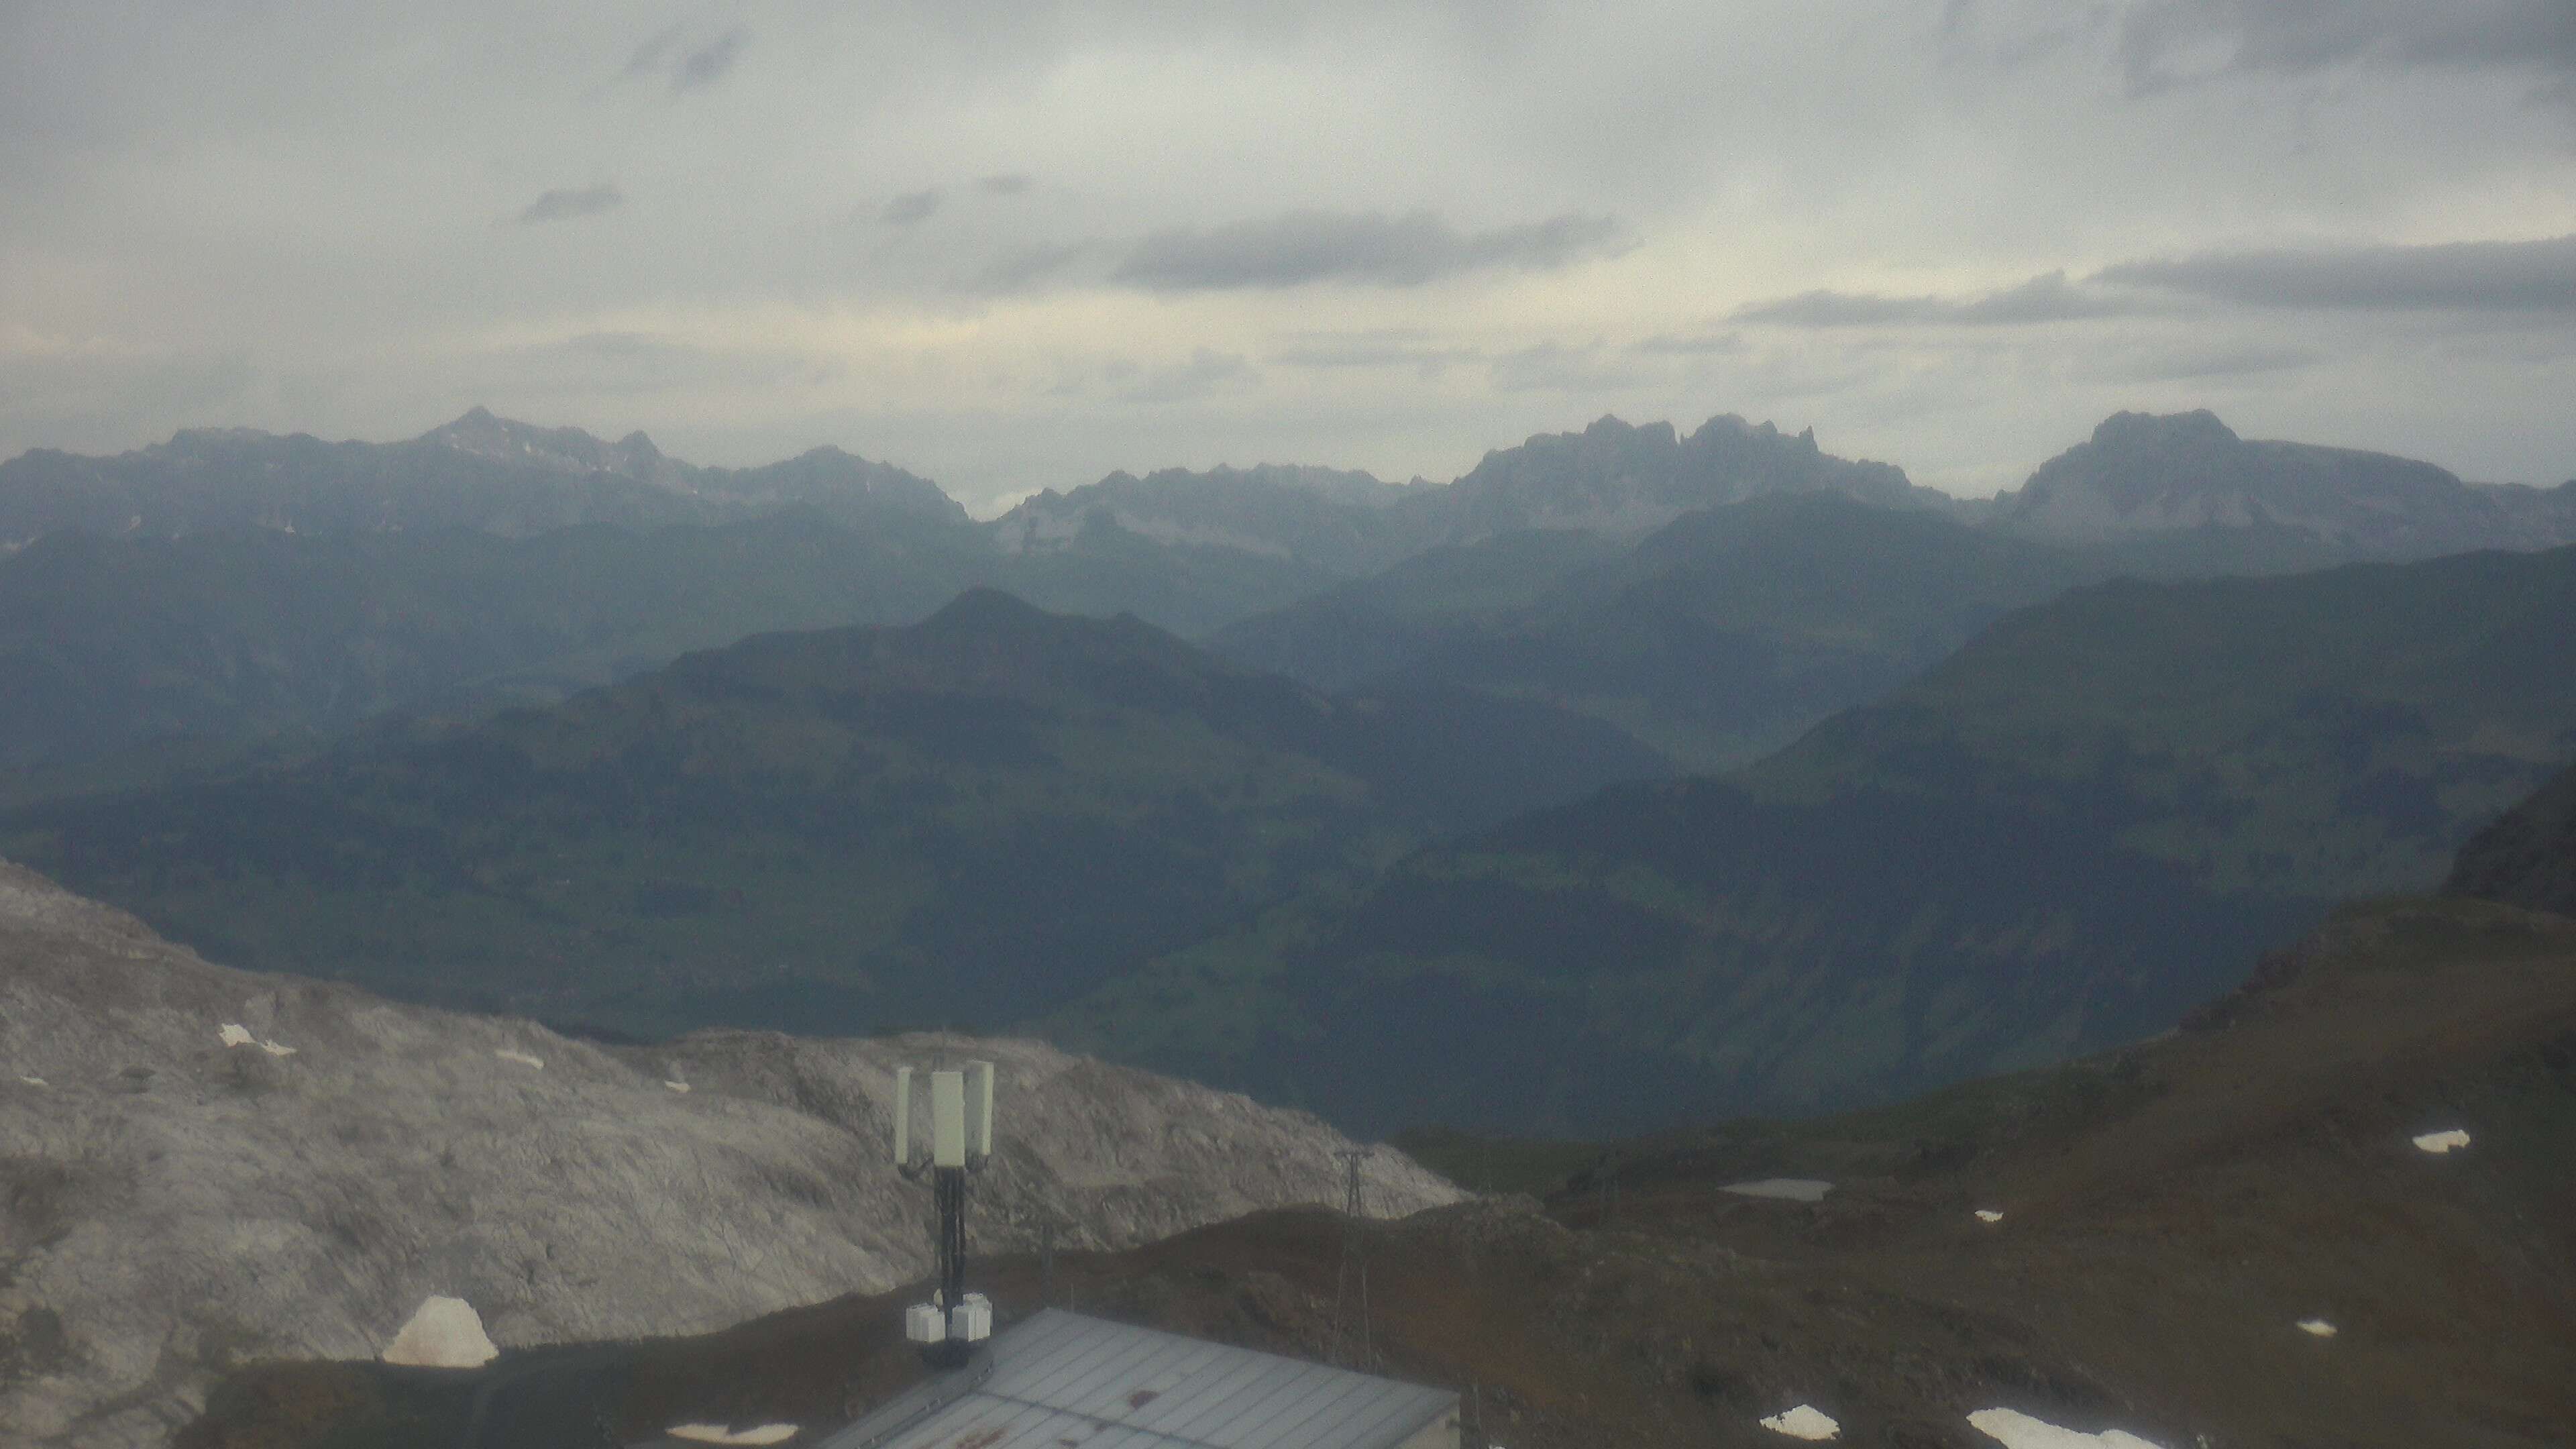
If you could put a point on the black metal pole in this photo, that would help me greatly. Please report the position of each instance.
(951, 1185)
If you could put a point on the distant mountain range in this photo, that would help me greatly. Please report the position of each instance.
(479, 472)
(2139, 475)
(1713, 594)
(1611, 479)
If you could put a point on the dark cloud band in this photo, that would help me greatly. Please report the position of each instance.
(2524, 276)
(1370, 248)
(911, 208)
(2049, 298)
(566, 203)
(2160, 38)
(709, 63)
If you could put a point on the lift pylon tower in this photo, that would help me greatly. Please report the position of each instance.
(961, 1141)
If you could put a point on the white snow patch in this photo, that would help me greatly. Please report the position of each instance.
(2441, 1142)
(1803, 1422)
(443, 1333)
(676, 1086)
(1989, 1215)
(2015, 1430)
(1795, 1189)
(234, 1034)
(2317, 1326)
(31, 1081)
(719, 1434)
(509, 1054)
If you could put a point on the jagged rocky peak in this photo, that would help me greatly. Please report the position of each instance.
(219, 1164)
(1657, 434)
(2163, 431)
(2142, 473)
(838, 482)
(1326, 518)
(188, 442)
(1625, 479)
(484, 434)
(2150, 469)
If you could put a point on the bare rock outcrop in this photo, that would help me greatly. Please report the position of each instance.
(176, 1198)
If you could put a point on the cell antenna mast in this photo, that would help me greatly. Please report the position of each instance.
(961, 1141)
(1354, 1272)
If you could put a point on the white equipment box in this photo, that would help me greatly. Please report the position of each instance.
(971, 1321)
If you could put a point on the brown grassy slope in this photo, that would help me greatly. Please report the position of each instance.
(2171, 1212)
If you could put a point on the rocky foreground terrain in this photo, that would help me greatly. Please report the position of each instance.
(202, 1167)
(2337, 1209)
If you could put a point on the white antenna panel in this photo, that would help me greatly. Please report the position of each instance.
(902, 1116)
(979, 1108)
(948, 1119)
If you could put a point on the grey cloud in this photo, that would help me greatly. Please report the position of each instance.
(1395, 347)
(629, 364)
(1009, 183)
(2204, 365)
(1704, 345)
(689, 67)
(1300, 247)
(565, 203)
(910, 208)
(648, 56)
(1963, 34)
(1019, 270)
(2527, 276)
(2162, 40)
(2048, 298)
(105, 403)
(1205, 372)
(709, 62)
(1555, 367)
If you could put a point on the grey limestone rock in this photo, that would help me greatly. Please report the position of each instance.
(171, 1204)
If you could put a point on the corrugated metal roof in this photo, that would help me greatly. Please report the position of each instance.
(1063, 1381)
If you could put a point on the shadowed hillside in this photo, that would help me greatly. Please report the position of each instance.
(2527, 858)
(848, 830)
(2061, 838)
(1717, 638)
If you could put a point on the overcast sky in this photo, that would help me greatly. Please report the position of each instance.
(1017, 245)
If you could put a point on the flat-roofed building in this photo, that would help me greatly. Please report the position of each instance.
(1064, 1381)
